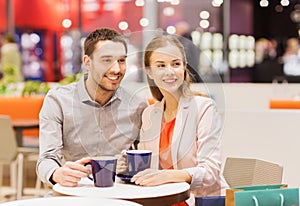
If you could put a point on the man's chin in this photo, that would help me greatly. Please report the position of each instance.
(109, 88)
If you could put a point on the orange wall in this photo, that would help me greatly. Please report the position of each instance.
(22, 108)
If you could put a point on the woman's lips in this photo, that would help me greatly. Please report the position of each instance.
(170, 80)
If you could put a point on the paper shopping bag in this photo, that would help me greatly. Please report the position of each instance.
(210, 201)
(272, 197)
(231, 193)
(239, 172)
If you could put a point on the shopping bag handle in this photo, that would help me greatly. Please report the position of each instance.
(281, 200)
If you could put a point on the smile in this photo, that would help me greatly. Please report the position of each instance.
(170, 80)
(112, 77)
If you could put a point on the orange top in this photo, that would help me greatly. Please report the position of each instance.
(150, 100)
(165, 155)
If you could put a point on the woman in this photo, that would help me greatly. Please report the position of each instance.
(182, 128)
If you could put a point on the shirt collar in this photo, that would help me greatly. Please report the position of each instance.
(85, 97)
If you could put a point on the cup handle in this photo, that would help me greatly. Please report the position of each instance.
(91, 178)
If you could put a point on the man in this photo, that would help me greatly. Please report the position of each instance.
(92, 117)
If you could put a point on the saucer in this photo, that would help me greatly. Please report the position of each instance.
(125, 178)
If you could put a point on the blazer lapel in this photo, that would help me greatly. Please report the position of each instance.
(154, 135)
(180, 123)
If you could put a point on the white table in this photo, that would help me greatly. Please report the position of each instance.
(165, 194)
(68, 200)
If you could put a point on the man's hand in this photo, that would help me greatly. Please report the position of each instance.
(71, 172)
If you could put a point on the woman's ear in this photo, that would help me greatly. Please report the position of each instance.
(148, 72)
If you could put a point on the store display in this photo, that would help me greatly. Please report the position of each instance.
(241, 51)
(32, 55)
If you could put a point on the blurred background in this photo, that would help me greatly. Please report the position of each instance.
(232, 40)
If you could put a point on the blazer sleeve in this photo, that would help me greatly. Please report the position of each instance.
(150, 132)
(207, 171)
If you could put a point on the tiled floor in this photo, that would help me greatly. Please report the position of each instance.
(7, 193)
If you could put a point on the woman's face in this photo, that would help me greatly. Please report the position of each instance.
(167, 69)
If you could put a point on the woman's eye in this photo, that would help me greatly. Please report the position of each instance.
(161, 66)
(177, 64)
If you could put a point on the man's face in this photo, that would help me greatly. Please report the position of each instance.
(107, 65)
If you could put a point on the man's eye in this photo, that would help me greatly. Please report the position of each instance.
(122, 60)
(106, 60)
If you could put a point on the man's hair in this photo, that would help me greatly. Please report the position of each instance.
(102, 34)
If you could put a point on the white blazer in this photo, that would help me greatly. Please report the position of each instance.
(195, 142)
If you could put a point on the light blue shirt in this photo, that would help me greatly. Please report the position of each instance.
(73, 126)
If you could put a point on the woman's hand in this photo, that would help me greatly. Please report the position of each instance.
(151, 177)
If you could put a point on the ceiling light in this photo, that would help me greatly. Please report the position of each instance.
(264, 3)
(216, 3)
(123, 25)
(175, 2)
(284, 2)
(144, 22)
(171, 29)
(168, 11)
(139, 2)
(204, 24)
(204, 14)
(66, 23)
